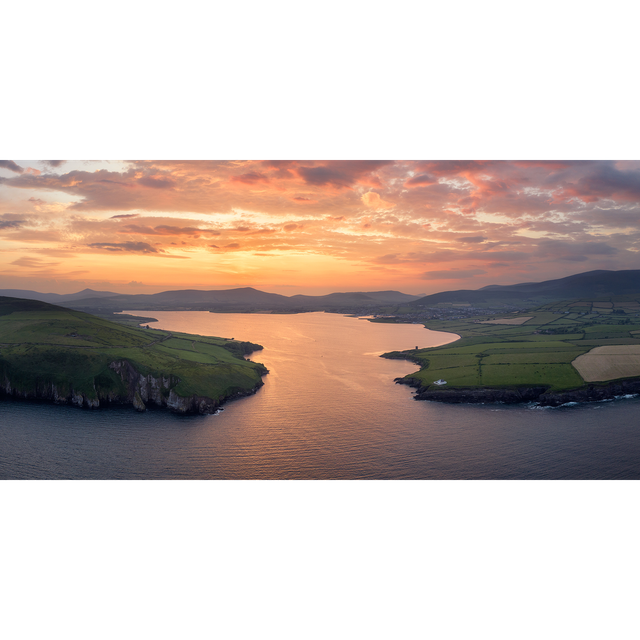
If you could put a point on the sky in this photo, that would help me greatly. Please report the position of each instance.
(312, 227)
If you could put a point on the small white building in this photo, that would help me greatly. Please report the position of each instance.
(440, 382)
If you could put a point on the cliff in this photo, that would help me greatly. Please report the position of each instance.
(541, 395)
(141, 391)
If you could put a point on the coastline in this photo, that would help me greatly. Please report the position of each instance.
(524, 394)
(141, 391)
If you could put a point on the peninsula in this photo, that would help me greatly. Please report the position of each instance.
(577, 350)
(52, 354)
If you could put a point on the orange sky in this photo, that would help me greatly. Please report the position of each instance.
(312, 226)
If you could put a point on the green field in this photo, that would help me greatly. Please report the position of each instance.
(538, 352)
(43, 345)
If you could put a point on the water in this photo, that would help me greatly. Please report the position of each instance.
(328, 409)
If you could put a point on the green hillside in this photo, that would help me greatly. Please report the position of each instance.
(44, 347)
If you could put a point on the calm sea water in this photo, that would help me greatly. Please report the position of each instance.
(328, 409)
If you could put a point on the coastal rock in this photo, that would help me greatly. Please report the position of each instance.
(515, 395)
(138, 405)
(140, 390)
(505, 396)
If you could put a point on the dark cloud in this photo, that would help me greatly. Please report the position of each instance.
(250, 178)
(156, 183)
(53, 163)
(320, 176)
(471, 239)
(11, 165)
(11, 224)
(36, 200)
(562, 248)
(603, 180)
(420, 180)
(167, 230)
(290, 227)
(125, 215)
(453, 274)
(136, 247)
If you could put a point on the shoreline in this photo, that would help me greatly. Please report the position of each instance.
(145, 393)
(525, 394)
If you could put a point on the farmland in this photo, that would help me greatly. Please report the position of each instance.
(534, 349)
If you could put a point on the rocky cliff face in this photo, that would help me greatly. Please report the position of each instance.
(140, 391)
(541, 395)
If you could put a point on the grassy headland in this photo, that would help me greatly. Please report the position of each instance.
(535, 355)
(52, 353)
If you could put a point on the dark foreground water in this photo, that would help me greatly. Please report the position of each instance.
(329, 409)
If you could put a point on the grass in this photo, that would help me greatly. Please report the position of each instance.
(536, 353)
(41, 344)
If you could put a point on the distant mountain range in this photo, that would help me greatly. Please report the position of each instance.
(242, 299)
(591, 283)
(55, 298)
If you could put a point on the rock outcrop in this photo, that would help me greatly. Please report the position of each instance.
(541, 395)
(139, 391)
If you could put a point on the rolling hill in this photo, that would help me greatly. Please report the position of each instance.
(50, 353)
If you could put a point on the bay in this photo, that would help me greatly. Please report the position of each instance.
(329, 409)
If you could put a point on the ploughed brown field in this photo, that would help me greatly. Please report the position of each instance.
(609, 363)
(520, 320)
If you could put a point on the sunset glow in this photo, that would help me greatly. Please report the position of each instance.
(312, 226)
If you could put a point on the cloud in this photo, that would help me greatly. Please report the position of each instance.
(167, 230)
(420, 180)
(33, 263)
(373, 200)
(323, 175)
(250, 178)
(54, 164)
(11, 165)
(136, 247)
(452, 274)
(544, 218)
(156, 183)
(573, 250)
(471, 239)
(11, 224)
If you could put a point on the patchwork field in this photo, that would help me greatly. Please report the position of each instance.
(609, 363)
(552, 346)
(518, 320)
